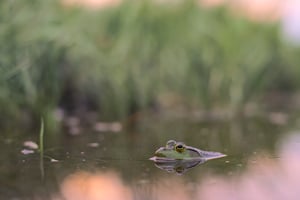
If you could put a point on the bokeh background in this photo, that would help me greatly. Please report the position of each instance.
(116, 58)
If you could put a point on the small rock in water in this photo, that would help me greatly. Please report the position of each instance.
(72, 121)
(30, 145)
(74, 130)
(101, 127)
(53, 160)
(116, 127)
(278, 118)
(93, 144)
(27, 151)
(104, 126)
(59, 114)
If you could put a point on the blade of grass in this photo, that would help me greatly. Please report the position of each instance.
(42, 149)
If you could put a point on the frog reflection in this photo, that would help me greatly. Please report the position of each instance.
(178, 166)
(178, 157)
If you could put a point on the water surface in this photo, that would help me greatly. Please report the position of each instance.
(115, 165)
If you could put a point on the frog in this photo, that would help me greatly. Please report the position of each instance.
(174, 150)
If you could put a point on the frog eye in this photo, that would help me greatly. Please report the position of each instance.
(179, 148)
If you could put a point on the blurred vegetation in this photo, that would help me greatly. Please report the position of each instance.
(122, 59)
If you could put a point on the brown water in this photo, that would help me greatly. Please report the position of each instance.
(114, 165)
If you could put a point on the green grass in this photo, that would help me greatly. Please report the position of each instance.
(41, 148)
(119, 60)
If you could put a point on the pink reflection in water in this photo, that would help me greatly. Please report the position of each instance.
(265, 179)
(171, 188)
(94, 186)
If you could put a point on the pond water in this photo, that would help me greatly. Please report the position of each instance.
(115, 165)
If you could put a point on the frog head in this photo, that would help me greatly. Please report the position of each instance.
(180, 151)
(175, 150)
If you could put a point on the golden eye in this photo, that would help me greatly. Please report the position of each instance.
(179, 148)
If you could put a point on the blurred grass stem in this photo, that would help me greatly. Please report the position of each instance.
(41, 149)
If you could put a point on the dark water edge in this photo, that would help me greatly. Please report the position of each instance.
(121, 158)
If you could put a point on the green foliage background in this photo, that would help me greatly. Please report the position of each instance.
(122, 59)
